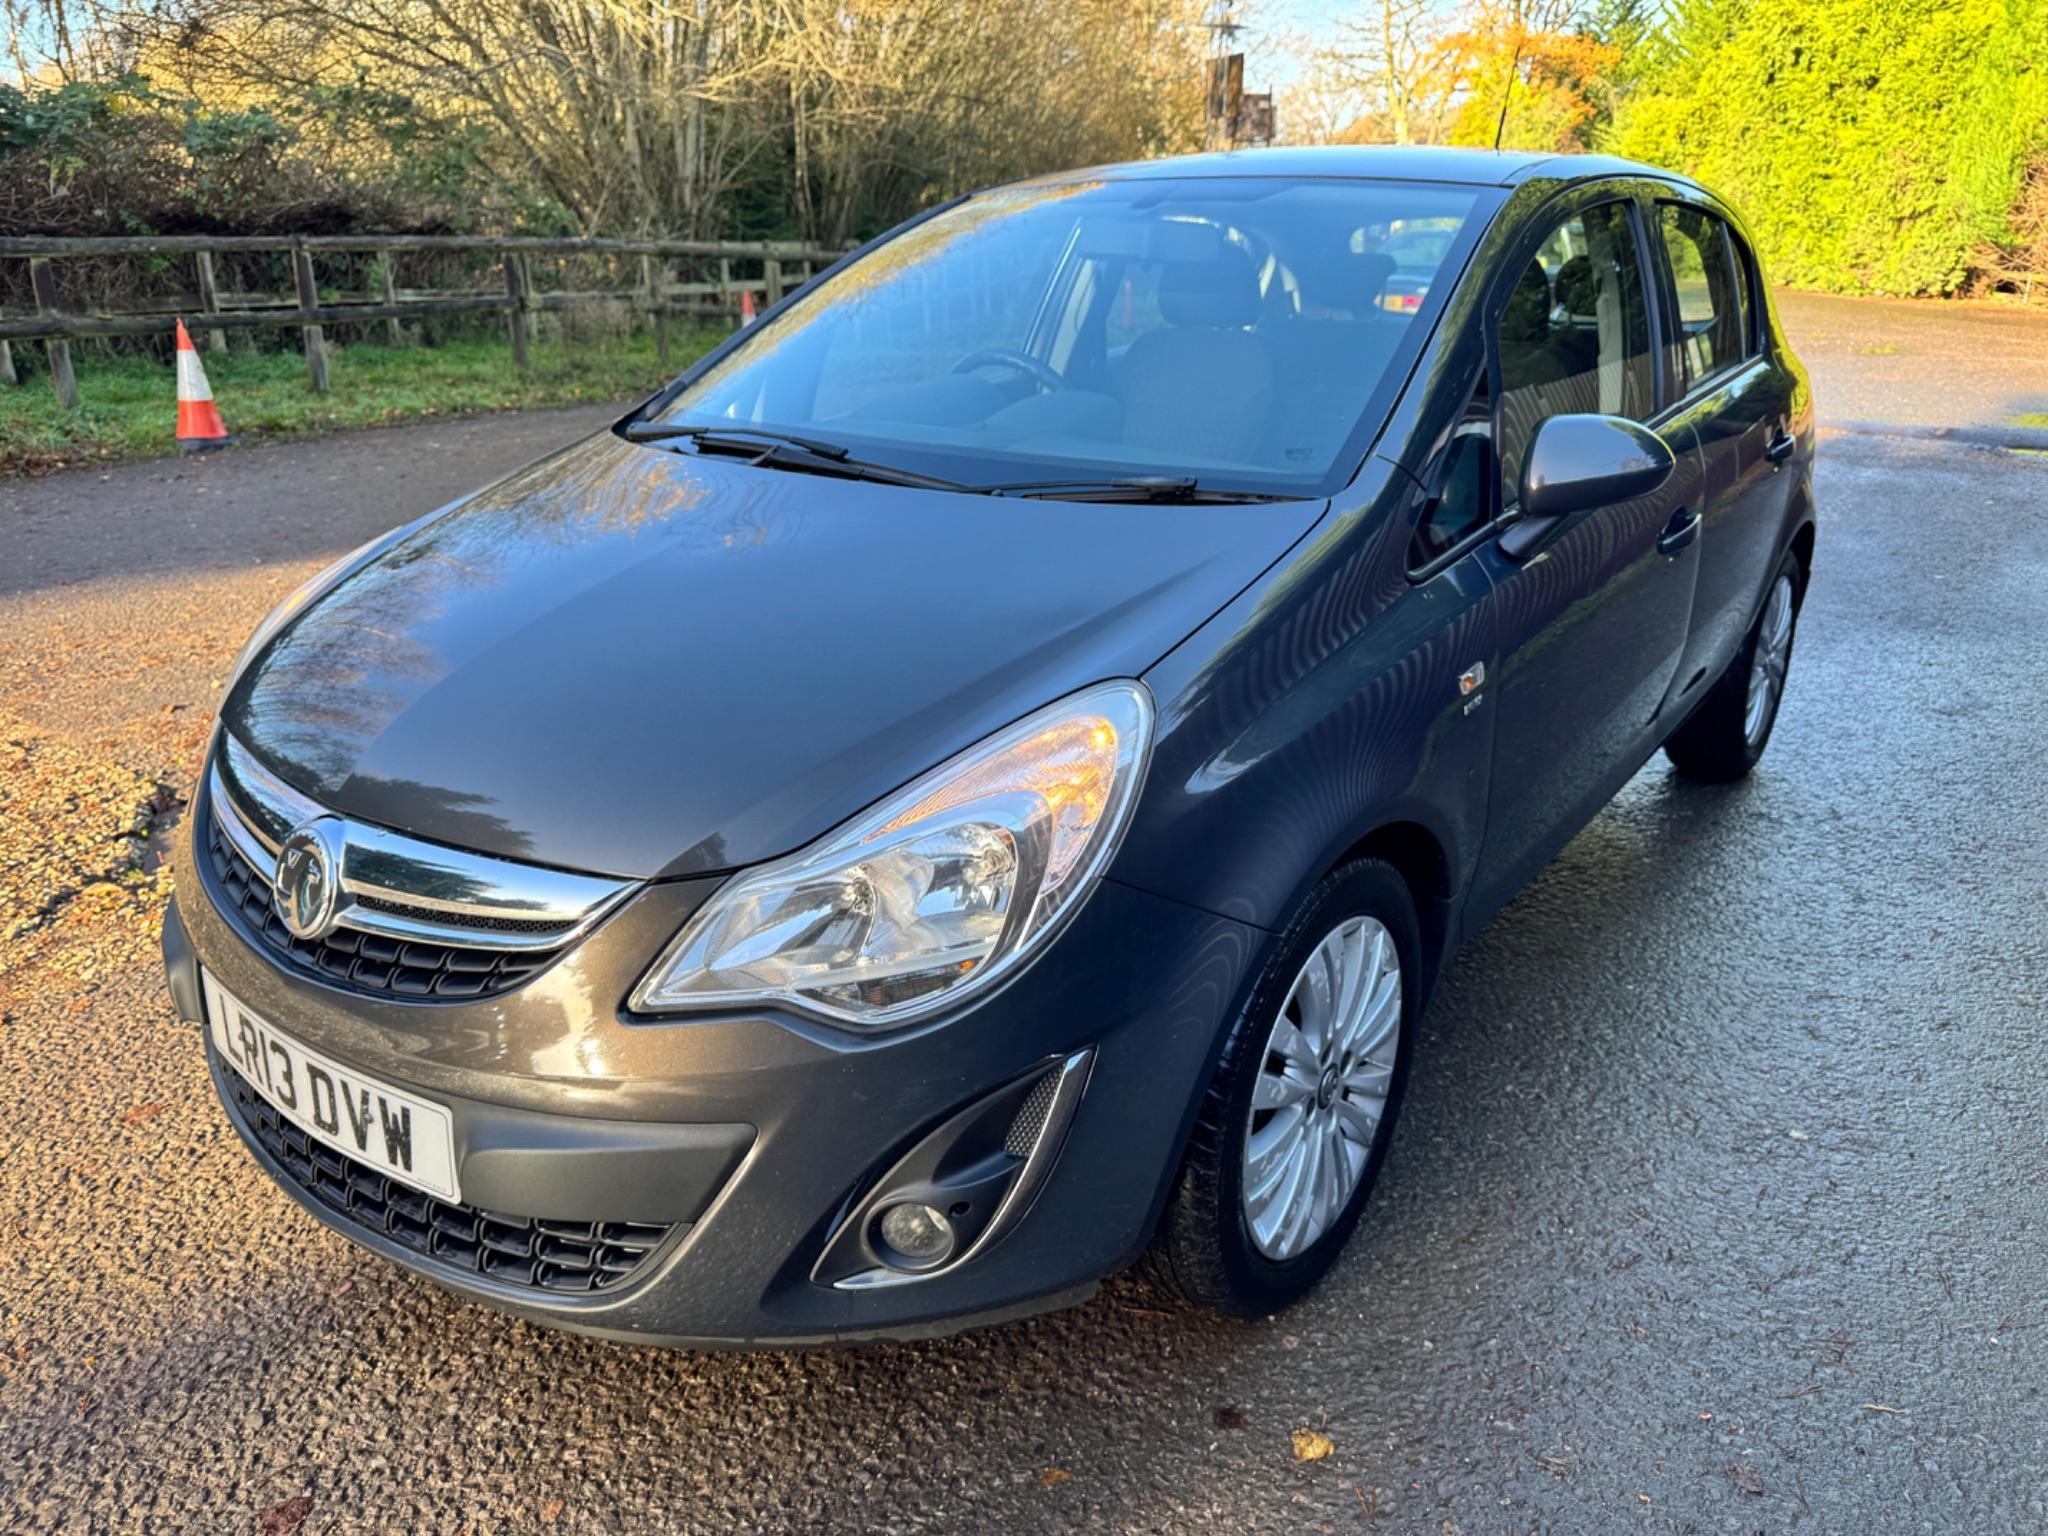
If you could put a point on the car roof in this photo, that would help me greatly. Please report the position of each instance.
(1379, 162)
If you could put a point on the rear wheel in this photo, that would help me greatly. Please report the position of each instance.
(1295, 1127)
(1729, 731)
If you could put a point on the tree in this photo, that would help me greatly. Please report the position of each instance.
(1532, 81)
(1389, 79)
(1399, 63)
(693, 117)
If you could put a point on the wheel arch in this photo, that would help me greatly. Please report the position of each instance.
(1418, 855)
(1803, 539)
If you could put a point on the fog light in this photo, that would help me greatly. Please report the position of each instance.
(915, 1233)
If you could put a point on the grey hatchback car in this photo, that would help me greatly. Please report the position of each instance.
(973, 784)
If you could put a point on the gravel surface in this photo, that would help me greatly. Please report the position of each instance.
(1718, 1205)
(1901, 360)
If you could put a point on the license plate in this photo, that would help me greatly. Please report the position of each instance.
(397, 1133)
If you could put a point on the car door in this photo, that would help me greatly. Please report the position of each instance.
(1726, 386)
(1592, 625)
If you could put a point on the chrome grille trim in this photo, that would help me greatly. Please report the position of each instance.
(402, 887)
(268, 806)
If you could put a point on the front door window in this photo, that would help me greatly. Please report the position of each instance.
(1575, 335)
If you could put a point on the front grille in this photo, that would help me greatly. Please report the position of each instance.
(364, 962)
(559, 1257)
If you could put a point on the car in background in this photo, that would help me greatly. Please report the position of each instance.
(973, 784)
(1418, 248)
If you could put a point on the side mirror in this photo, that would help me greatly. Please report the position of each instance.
(1575, 463)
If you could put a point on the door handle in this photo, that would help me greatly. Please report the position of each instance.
(1683, 528)
(1779, 448)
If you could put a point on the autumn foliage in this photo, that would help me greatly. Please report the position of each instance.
(1875, 146)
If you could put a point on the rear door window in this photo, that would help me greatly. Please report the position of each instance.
(1710, 327)
(1575, 333)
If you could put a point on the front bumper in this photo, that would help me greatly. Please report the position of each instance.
(753, 1135)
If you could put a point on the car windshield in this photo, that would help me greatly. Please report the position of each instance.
(1234, 330)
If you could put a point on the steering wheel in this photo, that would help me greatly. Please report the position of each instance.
(1002, 357)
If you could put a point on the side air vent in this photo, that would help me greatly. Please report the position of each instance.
(1030, 1121)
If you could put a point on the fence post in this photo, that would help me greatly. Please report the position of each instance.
(515, 317)
(7, 374)
(394, 333)
(772, 267)
(209, 301)
(44, 282)
(654, 282)
(309, 300)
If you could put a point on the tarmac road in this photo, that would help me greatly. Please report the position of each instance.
(1718, 1204)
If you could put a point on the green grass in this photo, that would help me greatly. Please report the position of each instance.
(2031, 419)
(128, 405)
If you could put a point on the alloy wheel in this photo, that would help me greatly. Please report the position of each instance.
(1767, 666)
(1322, 1088)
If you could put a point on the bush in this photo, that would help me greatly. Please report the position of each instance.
(2018, 262)
(1873, 150)
(121, 156)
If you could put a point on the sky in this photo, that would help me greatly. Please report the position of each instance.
(1272, 25)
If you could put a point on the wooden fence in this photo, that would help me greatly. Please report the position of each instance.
(673, 277)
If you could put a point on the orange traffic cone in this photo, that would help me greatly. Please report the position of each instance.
(199, 424)
(746, 306)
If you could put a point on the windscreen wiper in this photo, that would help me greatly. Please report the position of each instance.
(768, 449)
(669, 431)
(1172, 488)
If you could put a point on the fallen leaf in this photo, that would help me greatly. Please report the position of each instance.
(1745, 1478)
(141, 1113)
(1227, 1417)
(551, 1511)
(1312, 1445)
(284, 1519)
(1052, 1477)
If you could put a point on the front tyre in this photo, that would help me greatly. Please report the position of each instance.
(1729, 731)
(1295, 1126)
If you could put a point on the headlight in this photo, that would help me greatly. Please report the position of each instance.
(933, 894)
